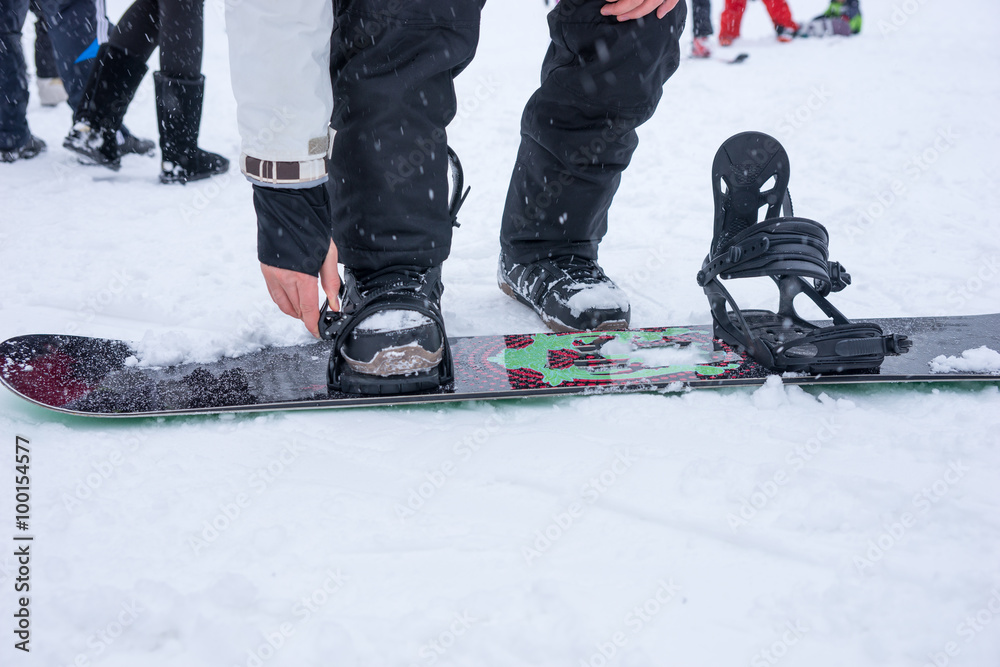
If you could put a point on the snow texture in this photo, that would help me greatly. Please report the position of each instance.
(980, 360)
(782, 526)
(656, 356)
(393, 320)
(603, 296)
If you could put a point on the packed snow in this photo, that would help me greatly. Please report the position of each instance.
(596, 297)
(655, 356)
(979, 360)
(393, 320)
(779, 526)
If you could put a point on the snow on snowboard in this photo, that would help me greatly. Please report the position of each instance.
(107, 378)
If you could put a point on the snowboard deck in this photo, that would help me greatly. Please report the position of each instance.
(825, 26)
(106, 378)
(728, 60)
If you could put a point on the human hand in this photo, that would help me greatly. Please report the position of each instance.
(296, 293)
(626, 10)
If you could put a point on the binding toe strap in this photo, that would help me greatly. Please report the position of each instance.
(338, 325)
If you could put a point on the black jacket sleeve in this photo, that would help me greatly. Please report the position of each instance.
(293, 227)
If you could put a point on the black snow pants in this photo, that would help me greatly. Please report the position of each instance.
(701, 12)
(393, 66)
(176, 26)
(601, 79)
(73, 26)
(45, 57)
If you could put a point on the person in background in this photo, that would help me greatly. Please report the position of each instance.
(702, 11)
(75, 27)
(177, 27)
(732, 17)
(51, 91)
(842, 17)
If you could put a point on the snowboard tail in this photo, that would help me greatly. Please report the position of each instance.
(106, 378)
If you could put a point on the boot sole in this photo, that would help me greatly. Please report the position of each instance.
(87, 158)
(167, 180)
(9, 157)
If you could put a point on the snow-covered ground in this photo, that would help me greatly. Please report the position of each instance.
(845, 526)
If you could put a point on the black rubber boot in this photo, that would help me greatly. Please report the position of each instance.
(129, 143)
(178, 113)
(98, 118)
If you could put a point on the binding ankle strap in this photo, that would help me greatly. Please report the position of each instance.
(777, 247)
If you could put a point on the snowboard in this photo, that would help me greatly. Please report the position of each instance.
(107, 378)
(728, 60)
(823, 26)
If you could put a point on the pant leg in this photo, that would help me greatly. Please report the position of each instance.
(601, 79)
(13, 75)
(701, 11)
(781, 15)
(732, 17)
(45, 57)
(74, 27)
(393, 64)
(182, 36)
(137, 32)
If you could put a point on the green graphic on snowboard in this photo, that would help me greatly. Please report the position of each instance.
(625, 356)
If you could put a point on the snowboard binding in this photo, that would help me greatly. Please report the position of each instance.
(419, 296)
(751, 172)
(412, 289)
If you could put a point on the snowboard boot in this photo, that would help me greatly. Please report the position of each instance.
(98, 118)
(781, 16)
(569, 293)
(29, 149)
(178, 112)
(389, 335)
(751, 173)
(700, 48)
(786, 34)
